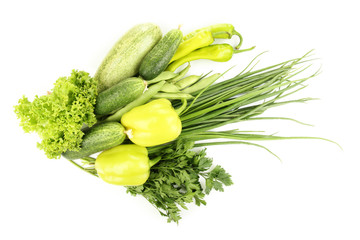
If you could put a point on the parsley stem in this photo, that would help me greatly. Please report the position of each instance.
(90, 171)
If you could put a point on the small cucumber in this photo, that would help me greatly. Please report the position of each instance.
(156, 61)
(119, 95)
(153, 89)
(98, 138)
(124, 58)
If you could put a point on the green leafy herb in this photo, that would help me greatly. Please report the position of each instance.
(59, 116)
(177, 179)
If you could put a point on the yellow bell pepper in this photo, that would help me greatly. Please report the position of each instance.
(152, 124)
(126, 165)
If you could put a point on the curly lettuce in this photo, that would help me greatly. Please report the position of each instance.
(59, 116)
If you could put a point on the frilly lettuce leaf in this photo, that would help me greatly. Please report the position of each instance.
(59, 116)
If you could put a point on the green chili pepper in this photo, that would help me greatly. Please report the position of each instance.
(222, 30)
(216, 52)
(198, 40)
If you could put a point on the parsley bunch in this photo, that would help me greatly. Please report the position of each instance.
(181, 177)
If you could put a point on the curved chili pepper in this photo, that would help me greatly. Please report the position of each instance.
(222, 30)
(198, 40)
(216, 52)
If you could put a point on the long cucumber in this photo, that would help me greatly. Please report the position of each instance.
(124, 58)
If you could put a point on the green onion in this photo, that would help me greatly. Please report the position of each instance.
(243, 98)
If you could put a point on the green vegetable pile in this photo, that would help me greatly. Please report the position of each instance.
(142, 121)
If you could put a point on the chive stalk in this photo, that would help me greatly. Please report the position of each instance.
(243, 98)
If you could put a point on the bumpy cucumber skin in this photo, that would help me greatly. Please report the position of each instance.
(124, 59)
(156, 61)
(98, 138)
(119, 95)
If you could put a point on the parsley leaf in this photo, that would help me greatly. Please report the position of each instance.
(176, 180)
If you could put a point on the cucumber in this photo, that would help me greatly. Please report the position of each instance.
(156, 61)
(119, 95)
(98, 138)
(124, 59)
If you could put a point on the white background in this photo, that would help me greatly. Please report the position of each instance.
(312, 194)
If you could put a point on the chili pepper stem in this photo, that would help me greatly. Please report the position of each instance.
(220, 33)
(243, 50)
(240, 38)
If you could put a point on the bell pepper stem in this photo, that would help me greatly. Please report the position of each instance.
(154, 161)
